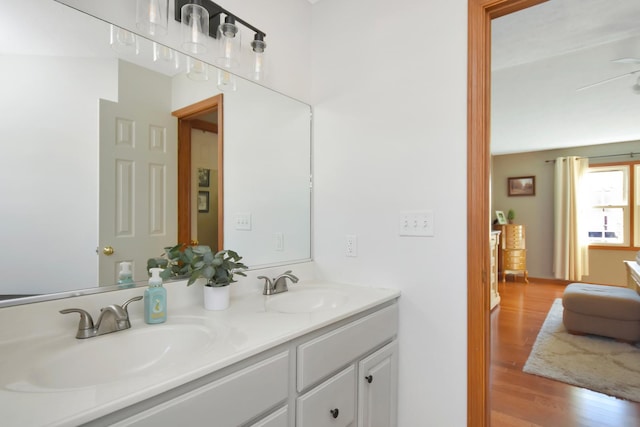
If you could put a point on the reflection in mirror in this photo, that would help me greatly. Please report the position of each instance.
(56, 93)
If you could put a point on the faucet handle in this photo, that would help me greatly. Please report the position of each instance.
(268, 285)
(85, 327)
(130, 300)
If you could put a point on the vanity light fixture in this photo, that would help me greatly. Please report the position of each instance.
(228, 43)
(226, 81)
(123, 41)
(258, 45)
(152, 16)
(227, 35)
(165, 54)
(197, 70)
(195, 27)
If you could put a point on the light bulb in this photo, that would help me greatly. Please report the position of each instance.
(152, 16)
(229, 43)
(195, 28)
(258, 46)
(226, 81)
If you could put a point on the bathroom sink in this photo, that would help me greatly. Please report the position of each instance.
(306, 300)
(63, 364)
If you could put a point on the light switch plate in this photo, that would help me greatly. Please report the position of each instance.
(417, 223)
(243, 221)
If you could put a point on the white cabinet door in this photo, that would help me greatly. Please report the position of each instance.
(331, 404)
(377, 388)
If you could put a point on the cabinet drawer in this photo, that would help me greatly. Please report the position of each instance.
(320, 357)
(514, 253)
(277, 419)
(227, 402)
(338, 394)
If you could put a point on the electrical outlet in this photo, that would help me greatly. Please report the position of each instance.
(278, 241)
(352, 245)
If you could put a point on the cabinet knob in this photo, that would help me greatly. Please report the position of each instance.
(369, 378)
(334, 412)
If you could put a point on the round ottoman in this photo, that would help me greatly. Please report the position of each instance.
(609, 311)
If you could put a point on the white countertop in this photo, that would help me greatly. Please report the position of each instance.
(246, 328)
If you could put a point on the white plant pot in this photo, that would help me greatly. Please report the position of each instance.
(216, 298)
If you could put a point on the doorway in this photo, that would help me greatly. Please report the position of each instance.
(480, 14)
(200, 181)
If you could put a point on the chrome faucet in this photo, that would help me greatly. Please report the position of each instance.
(278, 284)
(112, 318)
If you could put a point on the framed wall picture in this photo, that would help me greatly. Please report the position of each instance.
(203, 177)
(502, 219)
(203, 201)
(522, 186)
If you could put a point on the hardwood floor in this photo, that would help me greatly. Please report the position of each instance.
(519, 399)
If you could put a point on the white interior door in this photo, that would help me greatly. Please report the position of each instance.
(138, 184)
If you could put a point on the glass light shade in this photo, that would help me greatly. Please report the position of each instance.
(195, 28)
(258, 67)
(152, 16)
(123, 41)
(197, 70)
(162, 53)
(226, 81)
(229, 44)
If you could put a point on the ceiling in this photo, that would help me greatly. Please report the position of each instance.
(542, 55)
(559, 27)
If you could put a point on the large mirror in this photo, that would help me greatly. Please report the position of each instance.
(68, 79)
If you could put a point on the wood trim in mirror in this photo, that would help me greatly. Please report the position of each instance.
(187, 120)
(481, 12)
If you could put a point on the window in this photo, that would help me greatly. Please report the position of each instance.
(607, 191)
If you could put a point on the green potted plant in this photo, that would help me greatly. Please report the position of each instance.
(511, 215)
(196, 262)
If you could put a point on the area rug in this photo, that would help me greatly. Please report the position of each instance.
(600, 364)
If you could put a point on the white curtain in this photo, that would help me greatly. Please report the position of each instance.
(571, 248)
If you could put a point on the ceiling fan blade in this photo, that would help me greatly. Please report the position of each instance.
(607, 80)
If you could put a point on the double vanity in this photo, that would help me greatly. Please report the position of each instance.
(319, 354)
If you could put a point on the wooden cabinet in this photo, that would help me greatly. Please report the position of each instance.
(512, 258)
(494, 295)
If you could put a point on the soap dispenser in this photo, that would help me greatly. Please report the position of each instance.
(155, 299)
(125, 277)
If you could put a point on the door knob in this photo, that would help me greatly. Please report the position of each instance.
(194, 242)
(107, 250)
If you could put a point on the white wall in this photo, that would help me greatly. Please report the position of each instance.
(389, 96)
(53, 151)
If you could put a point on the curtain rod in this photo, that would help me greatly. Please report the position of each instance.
(602, 157)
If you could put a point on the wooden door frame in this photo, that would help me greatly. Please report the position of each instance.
(480, 14)
(185, 124)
